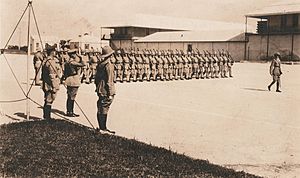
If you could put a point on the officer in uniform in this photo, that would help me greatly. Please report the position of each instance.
(140, 67)
(37, 63)
(119, 65)
(160, 65)
(72, 80)
(195, 62)
(85, 69)
(146, 62)
(206, 65)
(153, 66)
(105, 88)
(93, 64)
(133, 67)
(190, 65)
(230, 64)
(126, 66)
(216, 65)
(221, 64)
(114, 63)
(225, 63)
(175, 65)
(51, 81)
(275, 71)
(64, 58)
(180, 65)
(201, 63)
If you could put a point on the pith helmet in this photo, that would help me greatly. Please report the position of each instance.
(277, 54)
(107, 51)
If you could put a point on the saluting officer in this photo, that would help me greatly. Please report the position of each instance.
(105, 88)
(51, 81)
(72, 80)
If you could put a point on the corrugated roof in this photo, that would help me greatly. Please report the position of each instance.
(172, 23)
(194, 36)
(280, 8)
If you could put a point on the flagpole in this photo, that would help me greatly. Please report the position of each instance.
(28, 58)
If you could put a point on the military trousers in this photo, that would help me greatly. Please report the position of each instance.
(49, 97)
(38, 71)
(72, 92)
(103, 104)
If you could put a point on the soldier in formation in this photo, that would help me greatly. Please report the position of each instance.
(167, 65)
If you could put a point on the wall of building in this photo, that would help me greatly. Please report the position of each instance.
(257, 47)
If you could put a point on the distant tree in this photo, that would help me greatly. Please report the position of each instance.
(24, 48)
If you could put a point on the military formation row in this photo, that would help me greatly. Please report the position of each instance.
(152, 66)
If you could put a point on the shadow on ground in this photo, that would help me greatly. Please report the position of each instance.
(22, 115)
(255, 89)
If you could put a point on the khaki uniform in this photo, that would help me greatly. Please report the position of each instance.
(181, 67)
(134, 69)
(72, 81)
(147, 67)
(175, 66)
(195, 63)
(160, 67)
(140, 67)
(127, 68)
(216, 66)
(93, 64)
(153, 66)
(37, 63)
(50, 85)
(229, 65)
(105, 89)
(275, 71)
(85, 69)
(119, 67)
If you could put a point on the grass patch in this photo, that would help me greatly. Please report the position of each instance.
(59, 148)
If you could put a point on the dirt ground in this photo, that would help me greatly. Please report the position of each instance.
(234, 122)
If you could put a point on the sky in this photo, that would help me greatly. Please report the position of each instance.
(67, 18)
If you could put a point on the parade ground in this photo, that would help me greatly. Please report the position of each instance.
(235, 122)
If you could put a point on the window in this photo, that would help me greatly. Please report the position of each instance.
(295, 20)
(283, 21)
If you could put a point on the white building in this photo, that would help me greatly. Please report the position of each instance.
(87, 41)
(35, 42)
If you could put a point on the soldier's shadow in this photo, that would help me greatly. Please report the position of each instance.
(255, 89)
(55, 111)
(22, 115)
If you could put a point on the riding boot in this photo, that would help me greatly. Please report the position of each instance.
(47, 112)
(277, 87)
(101, 121)
(69, 106)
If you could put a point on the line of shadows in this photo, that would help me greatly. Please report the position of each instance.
(255, 89)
